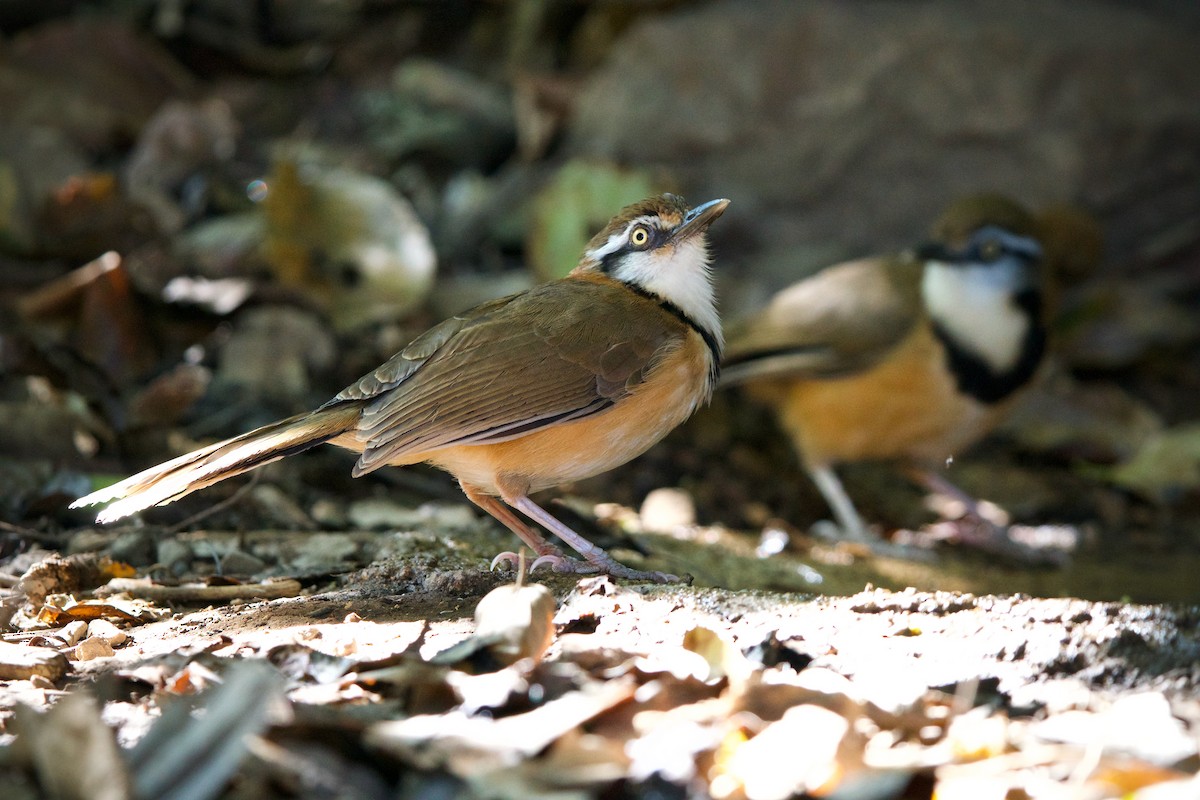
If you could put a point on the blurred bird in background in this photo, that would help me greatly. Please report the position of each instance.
(909, 358)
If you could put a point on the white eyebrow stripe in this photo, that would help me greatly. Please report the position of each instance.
(1025, 245)
(618, 239)
(614, 242)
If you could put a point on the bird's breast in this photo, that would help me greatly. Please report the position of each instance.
(908, 406)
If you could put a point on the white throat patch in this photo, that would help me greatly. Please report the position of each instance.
(678, 274)
(973, 303)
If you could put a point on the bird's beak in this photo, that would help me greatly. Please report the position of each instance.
(933, 251)
(698, 219)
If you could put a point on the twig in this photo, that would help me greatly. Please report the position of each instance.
(30, 533)
(215, 507)
(195, 592)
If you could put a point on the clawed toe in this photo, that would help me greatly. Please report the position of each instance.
(564, 564)
(506, 558)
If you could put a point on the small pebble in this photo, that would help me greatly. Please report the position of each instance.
(175, 556)
(93, 647)
(41, 682)
(73, 632)
(103, 629)
(667, 509)
(237, 562)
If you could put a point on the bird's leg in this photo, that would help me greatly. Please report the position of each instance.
(853, 528)
(848, 520)
(937, 484)
(982, 525)
(526, 534)
(597, 560)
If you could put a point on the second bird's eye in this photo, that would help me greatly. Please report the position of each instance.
(990, 249)
(639, 236)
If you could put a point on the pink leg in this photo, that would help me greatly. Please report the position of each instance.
(526, 534)
(983, 525)
(597, 560)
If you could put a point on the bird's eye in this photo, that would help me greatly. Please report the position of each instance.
(639, 236)
(990, 250)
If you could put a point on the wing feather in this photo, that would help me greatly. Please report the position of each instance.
(559, 352)
(839, 321)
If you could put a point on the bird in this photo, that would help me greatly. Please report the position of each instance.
(561, 382)
(907, 358)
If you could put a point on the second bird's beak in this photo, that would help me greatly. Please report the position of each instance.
(933, 251)
(698, 219)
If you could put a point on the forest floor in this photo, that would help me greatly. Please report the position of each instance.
(382, 685)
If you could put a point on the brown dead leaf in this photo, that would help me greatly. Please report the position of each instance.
(512, 622)
(87, 610)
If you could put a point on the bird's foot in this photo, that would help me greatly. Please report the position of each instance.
(610, 566)
(1048, 549)
(866, 539)
(600, 563)
(552, 558)
(549, 555)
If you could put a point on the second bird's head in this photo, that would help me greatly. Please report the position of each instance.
(986, 240)
(658, 247)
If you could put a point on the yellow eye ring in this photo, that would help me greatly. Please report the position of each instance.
(639, 236)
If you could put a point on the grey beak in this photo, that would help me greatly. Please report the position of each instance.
(699, 218)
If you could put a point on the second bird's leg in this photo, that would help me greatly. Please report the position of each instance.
(848, 520)
(982, 524)
(851, 523)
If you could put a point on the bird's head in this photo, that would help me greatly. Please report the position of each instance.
(658, 247)
(987, 233)
(983, 279)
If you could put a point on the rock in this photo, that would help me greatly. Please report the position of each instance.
(73, 632)
(237, 562)
(667, 509)
(92, 648)
(21, 662)
(105, 630)
(175, 555)
(851, 123)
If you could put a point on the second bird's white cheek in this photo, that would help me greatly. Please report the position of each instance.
(974, 304)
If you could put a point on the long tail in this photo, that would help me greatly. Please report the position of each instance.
(180, 476)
